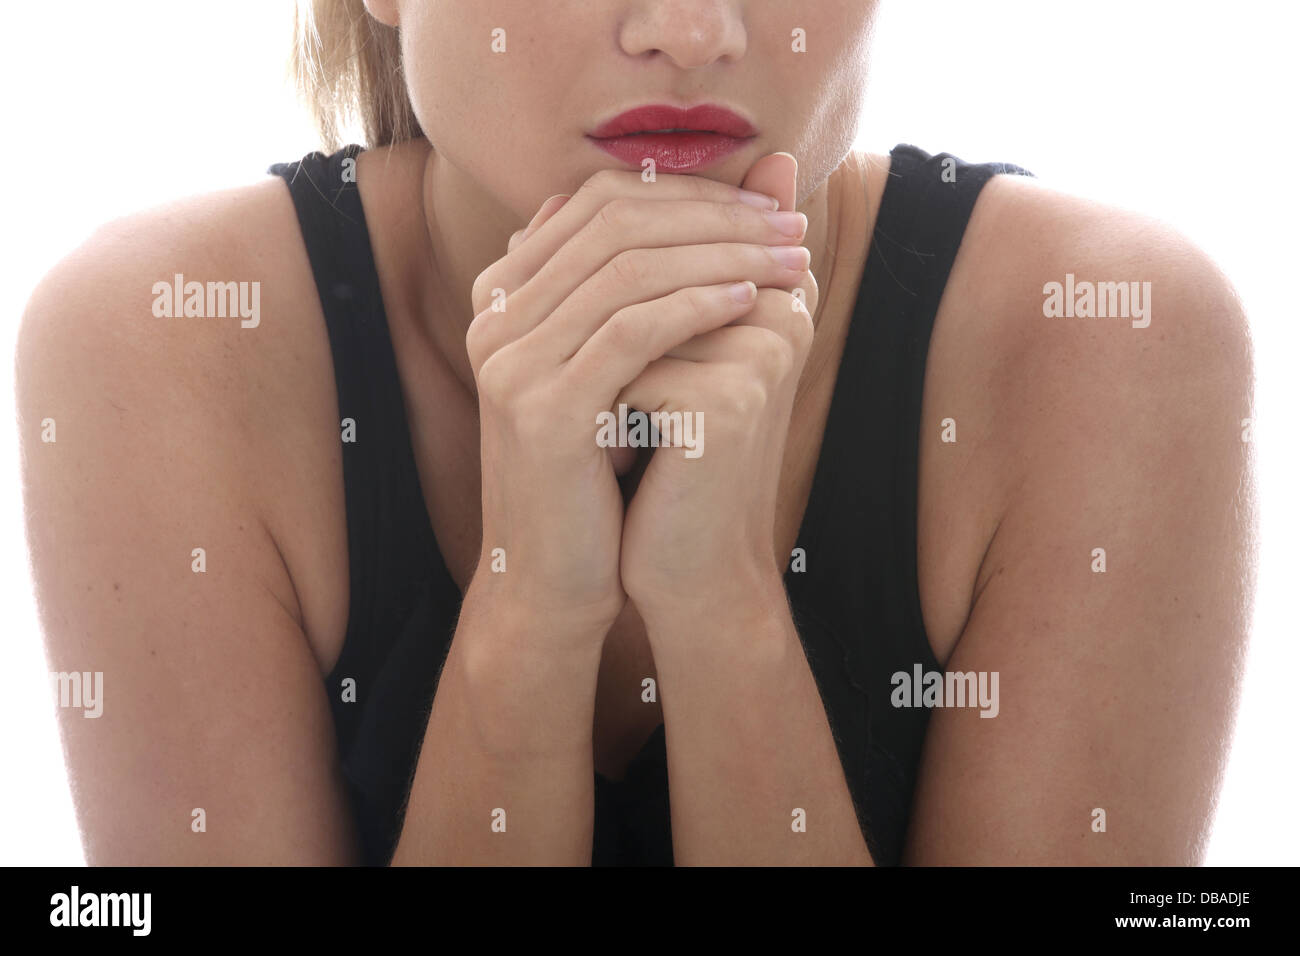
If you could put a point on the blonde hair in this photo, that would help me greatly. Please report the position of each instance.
(348, 67)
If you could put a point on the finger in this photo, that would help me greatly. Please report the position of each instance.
(780, 313)
(662, 386)
(544, 212)
(672, 386)
(640, 334)
(776, 175)
(806, 295)
(605, 186)
(721, 345)
(767, 338)
(625, 229)
(548, 209)
(652, 275)
(557, 323)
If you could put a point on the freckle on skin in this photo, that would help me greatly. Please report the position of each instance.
(116, 586)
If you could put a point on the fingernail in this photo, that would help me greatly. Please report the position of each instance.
(742, 291)
(793, 224)
(797, 258)
(761, 200)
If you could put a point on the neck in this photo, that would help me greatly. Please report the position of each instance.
(468, 230)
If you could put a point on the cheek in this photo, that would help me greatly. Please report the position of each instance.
(823, 91)
(483, 107)
(446, 64)
(827, 79)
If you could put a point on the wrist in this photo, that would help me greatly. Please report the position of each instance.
(529, 682)
(537, 607)
(748, 603)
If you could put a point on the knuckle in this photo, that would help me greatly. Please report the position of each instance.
(696, 305)
(782, 316)
(707, 190)
(617, 215)
(812, 296)
(784, 360)
(626, 334)
(745, 394)
(600, 183)
(793, 322)
(733, 214)
(802, 333)
(481, 291)
(476, 342)
(498, 380)
(774, 355)
(759, 258)
(632, 267)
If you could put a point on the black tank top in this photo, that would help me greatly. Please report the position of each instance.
(856, 603)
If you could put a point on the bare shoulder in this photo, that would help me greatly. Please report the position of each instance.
(1069, 330)
(142, 286)
(191, 280)
(1095, 369)
(1024, 235)
(166, 390)
(1092, 321)
(193, 329)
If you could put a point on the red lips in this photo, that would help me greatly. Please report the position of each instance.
(677, 140)
(706, 118)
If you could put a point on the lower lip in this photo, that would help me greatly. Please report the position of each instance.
(672, 152)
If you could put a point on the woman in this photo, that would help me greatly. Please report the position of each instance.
(380, 565)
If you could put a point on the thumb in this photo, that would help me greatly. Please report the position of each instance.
(775, 174)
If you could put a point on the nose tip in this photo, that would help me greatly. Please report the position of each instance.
(692, 34)
(697, 48)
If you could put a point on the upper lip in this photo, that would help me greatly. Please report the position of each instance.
(707, 117)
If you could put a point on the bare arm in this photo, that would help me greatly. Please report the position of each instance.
(505, 773)
(510, 731)
(1117, 686)
(214, 712)
(756, 778)
(214, 744)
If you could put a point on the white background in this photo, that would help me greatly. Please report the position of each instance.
(1184, 110)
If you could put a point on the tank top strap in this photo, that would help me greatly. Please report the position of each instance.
(857, 605)
(917, 236)
(380, 478)
(402, 601)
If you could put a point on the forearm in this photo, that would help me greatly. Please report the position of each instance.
(748, 740)
(505, 772)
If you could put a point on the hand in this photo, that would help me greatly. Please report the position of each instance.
(699, 530)
(594, 292)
